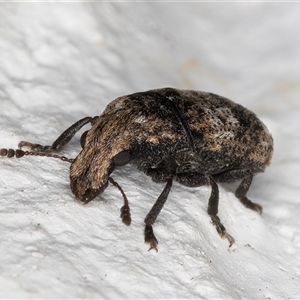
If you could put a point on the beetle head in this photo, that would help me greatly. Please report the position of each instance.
(90, 171)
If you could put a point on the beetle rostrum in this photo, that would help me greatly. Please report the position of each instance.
(195, 138)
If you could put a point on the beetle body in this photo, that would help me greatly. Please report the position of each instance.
(169, 133)
(195, 138)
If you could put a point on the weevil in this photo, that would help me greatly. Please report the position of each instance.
(195, 138)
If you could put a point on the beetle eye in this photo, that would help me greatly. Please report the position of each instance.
(83, 139)
(122, 158)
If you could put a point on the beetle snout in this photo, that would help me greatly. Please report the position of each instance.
(83, 191)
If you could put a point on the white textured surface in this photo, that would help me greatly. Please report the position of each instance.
(63, 61)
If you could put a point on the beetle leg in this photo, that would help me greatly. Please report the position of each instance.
(241, 192)
(243, 188)
(62, 140)
(212, 210)
(152, 215)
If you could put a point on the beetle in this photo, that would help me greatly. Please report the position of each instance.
(195, 138)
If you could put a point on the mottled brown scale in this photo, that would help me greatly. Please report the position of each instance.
(195, 138)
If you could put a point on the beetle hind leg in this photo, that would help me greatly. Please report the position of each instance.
(152, 215)
(212, 210)
(241, 192)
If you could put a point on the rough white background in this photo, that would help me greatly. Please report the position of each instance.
(62, 61)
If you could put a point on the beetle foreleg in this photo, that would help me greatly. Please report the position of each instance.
(212, 210)
(62, 140)
(152, 215)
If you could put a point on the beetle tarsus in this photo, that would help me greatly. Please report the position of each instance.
(222, 230)
(23, 145)
(150, 238)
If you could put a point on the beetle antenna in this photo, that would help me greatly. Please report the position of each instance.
(18, 153)
(125, 209)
